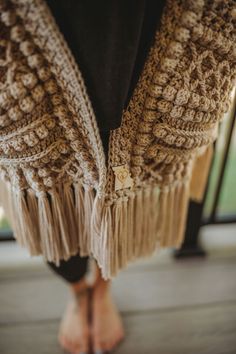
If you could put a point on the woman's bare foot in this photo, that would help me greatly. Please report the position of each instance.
(107, 328)
(74, 328)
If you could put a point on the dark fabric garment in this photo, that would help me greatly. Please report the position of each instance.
(71, 270)
(109, 40)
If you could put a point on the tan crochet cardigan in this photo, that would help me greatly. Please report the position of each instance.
(57, 191)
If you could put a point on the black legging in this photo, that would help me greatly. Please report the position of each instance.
(71, 270)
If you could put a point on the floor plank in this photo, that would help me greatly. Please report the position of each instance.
(185, 331)
(198, 330)
(182, 283)
(168, 306)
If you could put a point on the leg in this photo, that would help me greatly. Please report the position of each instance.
(74, 327)
(106, 328)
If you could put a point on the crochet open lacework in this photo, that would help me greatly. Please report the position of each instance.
(58, 192)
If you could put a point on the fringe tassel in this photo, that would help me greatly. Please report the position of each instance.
(155, 207)
(162, 217)
(159, 218)
(138, 222)
(89, 197)
(50, 242)
(59, 218)
(106, 253)
(73, 218)
(182, 202)
(79, 215)
(172, 215)
(68, 203)
(96, 217)
(116, 218)
(168, 219)
(130, 223)
(33, 208)
(200, 174)
(124, 232)
(128, 229)
(147, 221)
(25, 225)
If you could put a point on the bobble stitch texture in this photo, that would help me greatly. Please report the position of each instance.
(168, 64)
(169, 93)
(35, 61)
(50, 122)
(29, 80)
(175, 49)
(15, 113)
(27, 47)
(38, 93)
(51, 86)
(182, 34)
(17, 33)
(17, 90)
(4, 120)
(31, 139)
(189, 19)
(44, 73)
(8, 18)
(182, 97)
(5, 100)
(26, 104)
(41, 131)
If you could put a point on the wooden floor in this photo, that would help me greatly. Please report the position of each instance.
(168, 307)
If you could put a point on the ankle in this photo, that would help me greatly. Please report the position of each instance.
(102, 288)
(89, 279)
(79, 286)
(92, 280)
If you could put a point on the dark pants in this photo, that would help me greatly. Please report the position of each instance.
(71, 270)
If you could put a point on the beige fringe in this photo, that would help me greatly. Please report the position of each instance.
(200, 174)
(89, 196)
(72, 218)
(69, 212)
(135, 227)
(33, 207)
(24, 222)
(181, 211)
(51, 247)
(79, 216)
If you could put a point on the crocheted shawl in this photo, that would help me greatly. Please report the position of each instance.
(59, 193)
